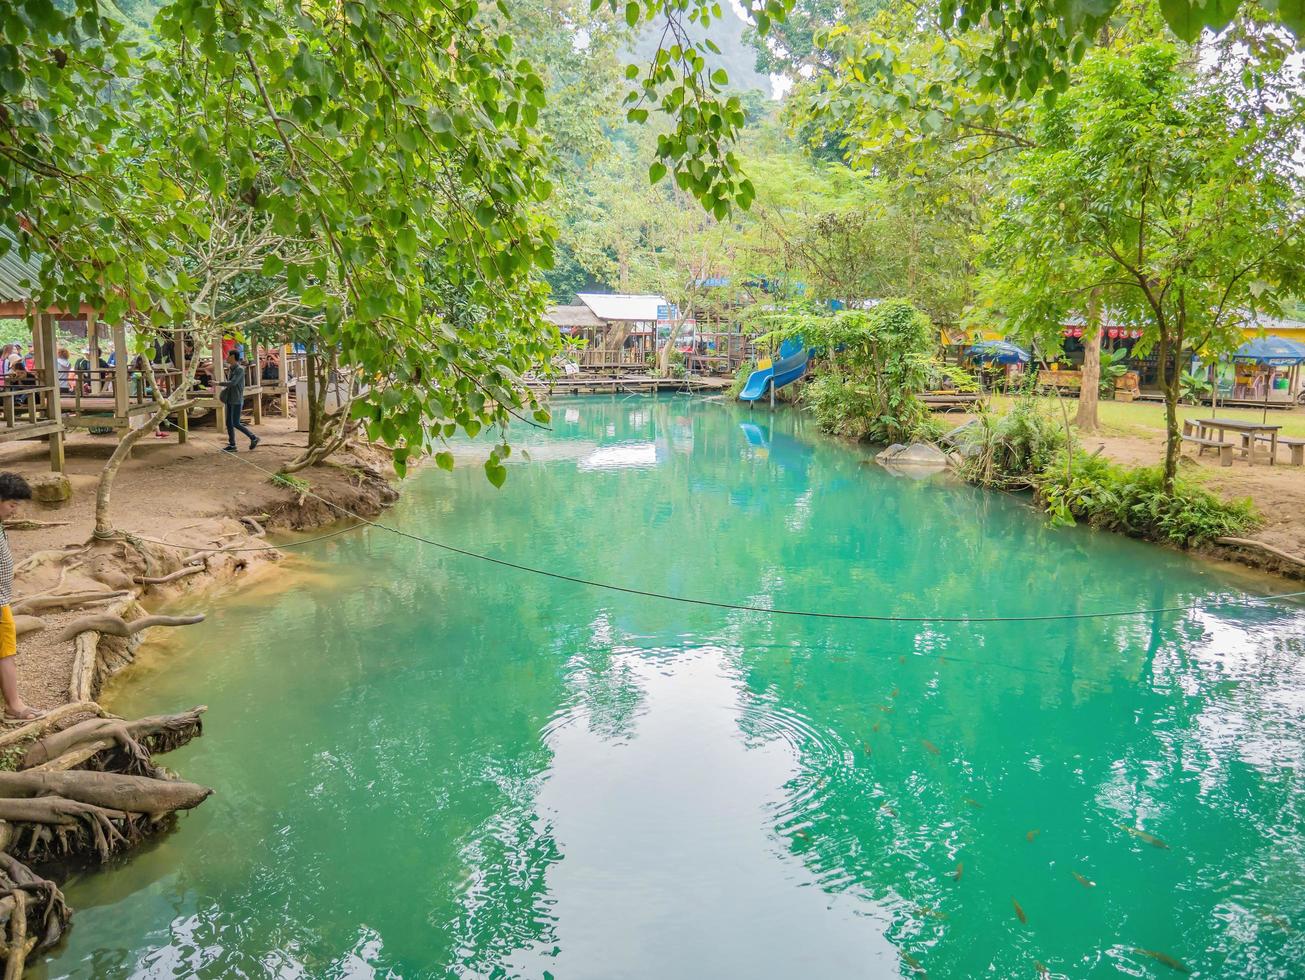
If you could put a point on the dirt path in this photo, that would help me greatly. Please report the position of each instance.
(192, 496)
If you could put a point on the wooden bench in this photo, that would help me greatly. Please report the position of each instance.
(1225, 448)
(1297, 447)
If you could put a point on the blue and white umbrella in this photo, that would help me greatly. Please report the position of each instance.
(998, 352)
(1272, 350)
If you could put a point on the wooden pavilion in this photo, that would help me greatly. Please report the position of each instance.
(32, 411)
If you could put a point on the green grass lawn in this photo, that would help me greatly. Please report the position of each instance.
(1147, 419)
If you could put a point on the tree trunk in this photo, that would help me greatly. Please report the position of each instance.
(1173, 437)
(314, 401)
(664, 357)
(103, 526)
(1086, 419)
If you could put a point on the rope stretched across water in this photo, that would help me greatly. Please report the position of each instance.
(737, 606)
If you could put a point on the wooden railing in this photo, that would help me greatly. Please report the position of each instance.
(625, 357)
(32, 401)
(91, 386)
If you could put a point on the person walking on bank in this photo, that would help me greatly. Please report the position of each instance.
(233, 397)
(13, 490)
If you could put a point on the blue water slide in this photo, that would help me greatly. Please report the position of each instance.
(790, 366)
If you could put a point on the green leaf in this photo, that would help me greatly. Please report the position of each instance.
(444, 461)
(495, 471)
(1183, 17)
(631, 15)
(656, 172)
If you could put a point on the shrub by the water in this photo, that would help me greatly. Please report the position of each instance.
(1134, 502)
(1010, 451)
(872, 366)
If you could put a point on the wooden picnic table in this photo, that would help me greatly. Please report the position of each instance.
(1249, 431)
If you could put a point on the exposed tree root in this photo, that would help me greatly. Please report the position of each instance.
(1261, 546)
(170, 577)
(117, 626)
(28, 624)
(110, 744)
(33, 914)
(27, 525)
(35, 729)
(30, 605)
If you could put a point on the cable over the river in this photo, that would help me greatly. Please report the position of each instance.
(746, 607)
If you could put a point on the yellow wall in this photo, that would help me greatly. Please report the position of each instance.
(1291, 333)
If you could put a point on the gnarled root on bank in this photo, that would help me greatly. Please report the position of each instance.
(72, 797)
(114, 745)
(33, 915)
(111, 625)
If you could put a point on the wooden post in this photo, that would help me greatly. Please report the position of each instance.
(219, 376)
(283, 376)
(121, 384)
(93, 344)
(257, 385)
(50, 366)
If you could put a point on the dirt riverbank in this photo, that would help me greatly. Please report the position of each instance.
(182, 507)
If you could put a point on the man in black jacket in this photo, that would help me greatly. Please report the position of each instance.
(232, 397)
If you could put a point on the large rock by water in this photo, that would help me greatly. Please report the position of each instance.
(916, 454)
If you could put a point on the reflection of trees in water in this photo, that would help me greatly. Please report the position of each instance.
(1066, 727)
(1101, 724)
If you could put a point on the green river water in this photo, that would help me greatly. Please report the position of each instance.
(430, 766)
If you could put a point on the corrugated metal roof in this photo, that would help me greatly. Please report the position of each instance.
(18, 276)
(573, 316)
(622, 306)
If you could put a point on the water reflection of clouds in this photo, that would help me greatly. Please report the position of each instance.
(624, 456)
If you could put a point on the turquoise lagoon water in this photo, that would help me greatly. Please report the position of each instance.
(429, 766)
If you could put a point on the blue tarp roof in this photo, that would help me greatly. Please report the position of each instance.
(1000, 351)
(1278, 351)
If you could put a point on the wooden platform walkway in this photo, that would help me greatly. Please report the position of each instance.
(627, 384)
(1156, 396)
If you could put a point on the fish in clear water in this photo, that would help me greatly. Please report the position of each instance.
(1143, 835)
(913, 963)
(1019, 912)
(1164, 958)
(960, 870)
(886, 708)
(1041, 968)
(888, 810)
(930, 912)
(902, 659)
(1085, 882)
(1276, 920)
(896, 691)
(874, 727)
(865, 747)
(1031, 834)
(930, 746)
(974, 803)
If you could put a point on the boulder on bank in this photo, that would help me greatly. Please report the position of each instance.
(916, 454)
(52, 488)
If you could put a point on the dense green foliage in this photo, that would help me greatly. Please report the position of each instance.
(1027, 448)
(1136, 502)
(1010, 451)
(873, 364)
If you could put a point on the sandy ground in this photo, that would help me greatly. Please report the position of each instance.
(190, 496)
